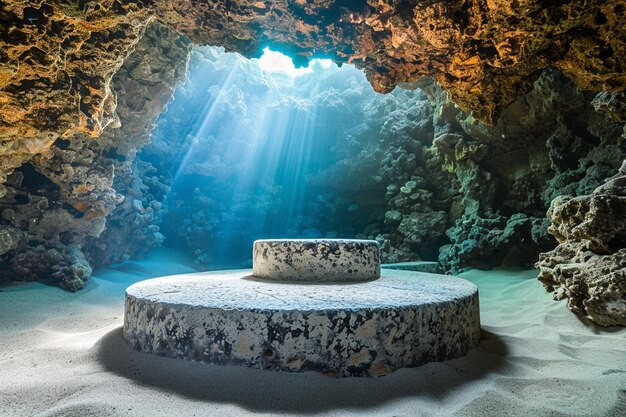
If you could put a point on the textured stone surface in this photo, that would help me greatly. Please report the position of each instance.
(357, 329)
(60, 199)
(589, 264)
(550, 142)
(316, 259)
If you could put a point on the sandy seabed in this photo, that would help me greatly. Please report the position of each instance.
(62, 354)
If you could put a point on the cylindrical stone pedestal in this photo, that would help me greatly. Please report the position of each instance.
(316, 260)
(342, 328)
(367, 329)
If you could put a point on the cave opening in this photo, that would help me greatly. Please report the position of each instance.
(258, 148)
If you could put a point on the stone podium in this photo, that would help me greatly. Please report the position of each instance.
(308, 305)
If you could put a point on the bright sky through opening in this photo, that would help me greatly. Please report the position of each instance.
(277, 63)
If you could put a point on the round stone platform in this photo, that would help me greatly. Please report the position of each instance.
(316, 259)
(371, 328)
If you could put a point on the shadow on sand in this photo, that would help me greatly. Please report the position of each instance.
(267, 391)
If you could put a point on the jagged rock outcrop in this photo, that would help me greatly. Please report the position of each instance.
(59, 200)
(144, 87)
(589, 264)
(44, 228)
(57, 61)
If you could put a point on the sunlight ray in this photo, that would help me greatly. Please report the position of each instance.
(260, 131)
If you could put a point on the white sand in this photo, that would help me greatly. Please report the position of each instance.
(61, 354)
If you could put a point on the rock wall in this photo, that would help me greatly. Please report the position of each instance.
(589, 264)
(144, 87)
(55, 205)
(550, 142)
(57, 63)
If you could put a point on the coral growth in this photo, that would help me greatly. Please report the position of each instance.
(550, 142)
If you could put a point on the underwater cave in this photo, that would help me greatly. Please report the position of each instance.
(324, 189)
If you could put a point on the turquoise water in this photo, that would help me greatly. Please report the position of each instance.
(256, 149)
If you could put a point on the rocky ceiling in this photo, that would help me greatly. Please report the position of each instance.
(58, 57)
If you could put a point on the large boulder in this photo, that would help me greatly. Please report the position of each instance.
(589, 264)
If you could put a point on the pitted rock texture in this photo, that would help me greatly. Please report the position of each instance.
(464, 193)
(316, 260)
(59, 200)
(555, 140)
(403, 319)
(589, 264)
(56, 64)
